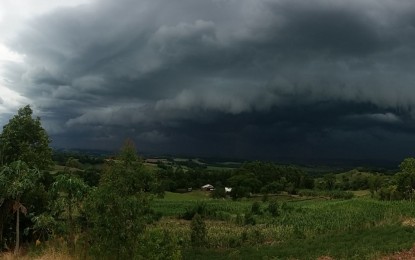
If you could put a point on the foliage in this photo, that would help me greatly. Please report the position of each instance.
(118, 209)
(160, 245)
(68, 192)
(402, 185)
(219, 192)
(198, 235)
(24, 139)
(256, 208)
(333, 194)
(16, 180)
(44, 226)
(199, 208)
(273, 208)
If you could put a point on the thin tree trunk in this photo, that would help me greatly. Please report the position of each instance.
(16, 249)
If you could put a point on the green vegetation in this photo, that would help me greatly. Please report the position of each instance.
(118, 209)
(122, 207)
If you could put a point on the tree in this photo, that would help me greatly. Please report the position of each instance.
(330, 181)
(407, 165)
(24, 139)
(15, 180)
(119, 208)
(375, 183)
(69, 191)
(243, 183)
(405, 180)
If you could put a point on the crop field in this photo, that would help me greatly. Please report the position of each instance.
(359, 228)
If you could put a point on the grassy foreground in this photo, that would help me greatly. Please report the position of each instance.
(359, 228)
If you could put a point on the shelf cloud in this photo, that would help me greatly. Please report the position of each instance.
(246, 78)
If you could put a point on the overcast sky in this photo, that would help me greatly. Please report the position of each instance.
(237, 78)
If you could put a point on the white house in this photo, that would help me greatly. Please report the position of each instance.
(207, 187)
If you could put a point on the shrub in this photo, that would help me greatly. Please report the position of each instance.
(159, 244)
(273, 208)
(256, 208)
(198, 236)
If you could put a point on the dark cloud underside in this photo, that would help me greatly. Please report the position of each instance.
(265, 78)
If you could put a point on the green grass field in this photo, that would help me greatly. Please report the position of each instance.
(359, 228)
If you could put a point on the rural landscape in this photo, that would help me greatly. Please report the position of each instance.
(207, 129)
(71, 205)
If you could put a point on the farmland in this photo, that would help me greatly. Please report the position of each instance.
(360, 228)
(280, 215)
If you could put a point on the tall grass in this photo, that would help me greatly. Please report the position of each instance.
(296, 220)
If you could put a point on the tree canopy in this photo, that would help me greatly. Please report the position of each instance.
(23, 138)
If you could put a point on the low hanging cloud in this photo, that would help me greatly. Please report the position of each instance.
(254, 73)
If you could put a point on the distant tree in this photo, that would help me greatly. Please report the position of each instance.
(218, 193)
(375, 183)
(243, 183)
(240, 192)
(407, 165)
(329, 181)
(17, 179)
(273, 187)
(405, 180)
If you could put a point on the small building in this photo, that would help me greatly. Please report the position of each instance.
(207, 187)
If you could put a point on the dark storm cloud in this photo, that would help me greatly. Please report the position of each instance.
(249, 78)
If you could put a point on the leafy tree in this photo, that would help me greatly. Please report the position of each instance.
(119, 208)
(16, 180)
(405, 180)
(330, 181)
(69, 191)
(243, 183)
(24, 138)
(273, 187)
(407, 165)
(219, 192)
(375, 183)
